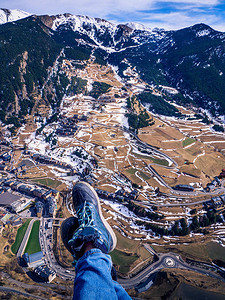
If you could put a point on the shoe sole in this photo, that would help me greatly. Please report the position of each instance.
(67, 229)
(107, 226)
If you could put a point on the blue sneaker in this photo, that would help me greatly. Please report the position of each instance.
(92, 225)
(67, 229)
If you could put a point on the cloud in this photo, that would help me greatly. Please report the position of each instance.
(170, 14)
(176, 20)
(101, 7)
(196, 3)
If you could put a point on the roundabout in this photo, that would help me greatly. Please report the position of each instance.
(169, 262)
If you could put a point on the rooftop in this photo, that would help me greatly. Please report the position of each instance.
(35, 257)
(8, 198)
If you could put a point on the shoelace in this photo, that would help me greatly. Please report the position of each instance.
(85, 218)
(85, 215)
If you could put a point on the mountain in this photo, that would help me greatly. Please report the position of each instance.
(7, 15)
(33, 49)
(192, 60)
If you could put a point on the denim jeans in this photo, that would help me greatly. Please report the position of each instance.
(93, 278)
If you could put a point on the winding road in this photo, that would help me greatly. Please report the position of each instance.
(165, 260)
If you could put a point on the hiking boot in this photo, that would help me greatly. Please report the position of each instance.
(67, 229)
(92, 227)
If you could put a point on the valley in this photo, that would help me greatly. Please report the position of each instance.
(157, 166)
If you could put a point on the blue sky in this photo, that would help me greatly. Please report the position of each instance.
(164, 14)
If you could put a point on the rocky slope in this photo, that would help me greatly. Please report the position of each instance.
(33, 49)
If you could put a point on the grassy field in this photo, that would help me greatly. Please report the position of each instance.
(211, 163)
(158, 161)
(33, 245)
(199, 251)
(143, 175)
(52, 183)
(131, 171)
(193, 251)
(123, 260)
(215, 251)
(125, 244)
(144, 253)
(19, 237)
(188, 141)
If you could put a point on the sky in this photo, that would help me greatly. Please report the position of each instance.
(167, 14)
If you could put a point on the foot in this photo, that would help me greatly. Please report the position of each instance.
(67, 229)
(90, 225)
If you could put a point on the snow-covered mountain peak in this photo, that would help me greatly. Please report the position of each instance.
(102, 32)
(11, 15)
(80, 22)
(138, 26)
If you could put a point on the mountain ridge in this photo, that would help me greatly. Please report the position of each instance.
(11, 15)
(191, 59)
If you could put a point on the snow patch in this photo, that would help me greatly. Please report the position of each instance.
(11, 15)
(203, 33)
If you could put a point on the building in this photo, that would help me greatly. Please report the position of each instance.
(210, 187)
(47, 195)
(223, 198)
(5, 156)
(44, 273)
(50, 223)
(51, 206)
(3, 167)
(15, 220)
(16, 185)
(217, 180)
(17, 223)
(39, 206)
(39, 193)
(217, 202)
(134, 195)
(55, 193)
(83, 118)
(25, 189)
(184, 188)
(7, 198)
(34, 260)
(20, 204)
(9, 182)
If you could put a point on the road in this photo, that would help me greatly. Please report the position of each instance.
(12, 290)
(148, 146)
(153, 171)
(174, 165)
(165, 260)
(144, 144)
(45, 238)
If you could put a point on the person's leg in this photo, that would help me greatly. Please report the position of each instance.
(89, 238)
(93, 278)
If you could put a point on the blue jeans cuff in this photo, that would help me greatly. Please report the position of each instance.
(89, 252)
